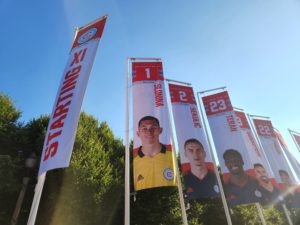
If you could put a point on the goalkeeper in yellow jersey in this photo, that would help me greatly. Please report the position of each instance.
(153, 163)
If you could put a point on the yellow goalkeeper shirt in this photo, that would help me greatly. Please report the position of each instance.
(153, 171)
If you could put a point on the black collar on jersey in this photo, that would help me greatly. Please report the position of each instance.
(162, 150)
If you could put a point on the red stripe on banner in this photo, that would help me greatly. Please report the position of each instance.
(181, 94)
(226, 176)
(280, 139)
(185, 167)
(242, 120)
(147, 71)
(135, 150)
(297, 138)
(217, 103)
(93, 31)
(264, 127)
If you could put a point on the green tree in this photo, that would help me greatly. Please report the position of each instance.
(11, 165)
(90, 191)
(9, 126)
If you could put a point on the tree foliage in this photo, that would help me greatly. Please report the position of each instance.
(10, 128)
(91, 190)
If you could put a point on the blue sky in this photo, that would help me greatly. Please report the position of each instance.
(252, 47)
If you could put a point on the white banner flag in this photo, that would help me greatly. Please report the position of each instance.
(241, 186)
(62, 126)
(273, 151)
(196, 160)
(262, 169)
(283, 173)
(290, 156)
(153, 163)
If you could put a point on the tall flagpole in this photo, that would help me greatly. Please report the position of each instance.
(261, 147)
(127, 155)
(180, 192)
(40, 183)
(226, 208)
(36, 199)
(260, 213)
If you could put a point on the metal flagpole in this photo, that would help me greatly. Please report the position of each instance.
(127, 156)
(226, 208)
(260, 213)
(294, 139)
(41, 180)
(36, 199)
(261, 147)
(180, 192)
(287, 213)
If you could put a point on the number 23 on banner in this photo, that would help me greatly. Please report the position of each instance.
(217, 103)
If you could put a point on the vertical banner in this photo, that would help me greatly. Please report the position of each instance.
(262, 170)
(282, 171)
(289, 155)
(241, 186)
(296, 138)
(196, 160)
(153, 164)
(61, 131)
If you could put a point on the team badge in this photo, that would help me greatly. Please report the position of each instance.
(216, 188)
(88, 35)
(168, 174)
(258, 193)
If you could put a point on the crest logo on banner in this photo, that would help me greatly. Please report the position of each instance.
(87, 36)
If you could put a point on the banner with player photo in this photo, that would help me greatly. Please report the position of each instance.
(153, 160)
(263, 172)
(289, 155)
(273, 151)
(256, 154)
(240, 184)
(196, 160)
(60, 136)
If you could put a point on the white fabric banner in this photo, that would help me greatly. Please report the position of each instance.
(61, 131)
(273, 151)
(153, 156)
(290, 156)
(196, 160)
(256, 154)
(240, 184)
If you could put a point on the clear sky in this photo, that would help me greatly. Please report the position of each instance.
(252, 47)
